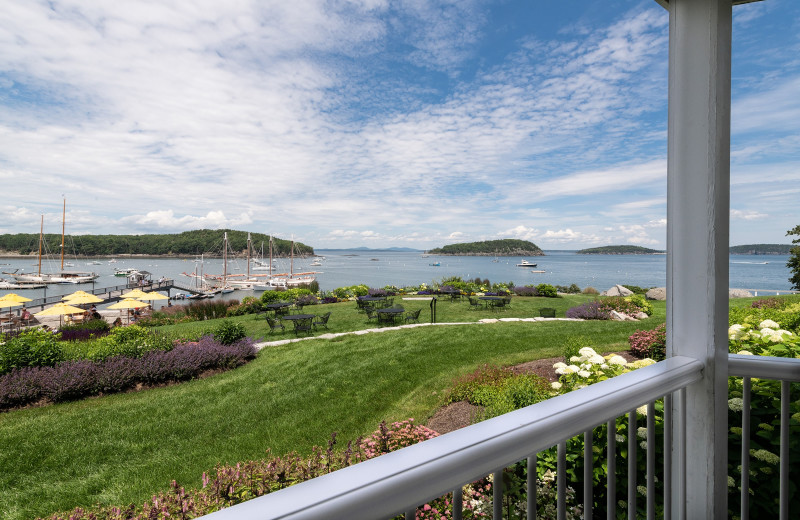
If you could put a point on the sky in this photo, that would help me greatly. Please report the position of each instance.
(404, 123)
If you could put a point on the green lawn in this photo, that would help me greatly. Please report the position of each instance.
(122, 448)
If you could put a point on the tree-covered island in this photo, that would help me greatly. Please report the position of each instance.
(619, 250)
(201, 241)
(762, 249)
(505, 247)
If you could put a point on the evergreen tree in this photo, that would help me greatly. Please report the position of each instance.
(794, 260)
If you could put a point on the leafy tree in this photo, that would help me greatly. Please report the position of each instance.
(794, 260)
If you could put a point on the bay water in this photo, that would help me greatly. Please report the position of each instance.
(377, 268)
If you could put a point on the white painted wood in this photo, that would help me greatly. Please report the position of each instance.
(698, 187)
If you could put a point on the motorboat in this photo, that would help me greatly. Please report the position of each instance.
(525, 263)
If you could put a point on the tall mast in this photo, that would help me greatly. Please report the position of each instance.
(63, 223)
(41, 232)
(249, 245)
(291, 263)
(270, 257)
(225, 260)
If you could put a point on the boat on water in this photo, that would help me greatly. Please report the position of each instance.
(525, 263)
(124, 271)
(436, 264)
(58, 277)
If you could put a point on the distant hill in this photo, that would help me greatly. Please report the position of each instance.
(762, 249)
(362, 248)
(201, 241)
(619, 250)
(505, 247)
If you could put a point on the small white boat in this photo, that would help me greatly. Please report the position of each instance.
(525, 263)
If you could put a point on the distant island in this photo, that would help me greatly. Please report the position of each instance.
(619, 250)
(505, 247)
(201, 241)
(762, 249)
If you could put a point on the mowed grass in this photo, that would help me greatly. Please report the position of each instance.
(121, 449)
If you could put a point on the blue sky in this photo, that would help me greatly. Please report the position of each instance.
(375, 123)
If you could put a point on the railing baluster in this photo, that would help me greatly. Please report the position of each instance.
(784, 491)
(532, 486)
(611, 471)
(682, 454)
(458, 503)
(651, 461)
(667, 456)
(745, 482)
(561, 479)
(497, 495)
(632, 465)
(588, 475)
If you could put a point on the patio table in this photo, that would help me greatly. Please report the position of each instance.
(393, 314)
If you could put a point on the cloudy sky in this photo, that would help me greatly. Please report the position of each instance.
(377, 123)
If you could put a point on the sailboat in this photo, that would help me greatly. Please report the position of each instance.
(59, 277)
(292, 279)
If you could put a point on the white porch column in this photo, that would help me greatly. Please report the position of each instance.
(698, 188)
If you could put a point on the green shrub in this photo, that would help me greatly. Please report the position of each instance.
(229, 332)
(641, 302)
(572, 346)
(31, 348)
(271, 296)
(208, 310)
(313, 287)
(590, 290)
(571, 289)
(635, 289)
(546, 290)
(130, 341)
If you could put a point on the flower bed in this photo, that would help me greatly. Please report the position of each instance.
(77, 379)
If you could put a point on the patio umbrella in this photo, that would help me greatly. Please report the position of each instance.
(135, 294)
(59, 309)
(128, 303)
(150, 296)
(80, 299)
(7, 304)
(78, 294)
(13, 297)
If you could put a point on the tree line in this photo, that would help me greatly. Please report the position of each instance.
(197, 242)
(504, 247)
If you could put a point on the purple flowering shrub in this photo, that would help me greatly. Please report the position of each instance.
(376, 292)
(525, 291)
(649, 343)
(77, 379)
(589, 311)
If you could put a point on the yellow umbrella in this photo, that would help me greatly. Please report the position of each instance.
(135, 294)
(77, 294)
(128, 303)
(7, 304)
(15, 298)
(80, 299)
(149, 296)
(59, 309)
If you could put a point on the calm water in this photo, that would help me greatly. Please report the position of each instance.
(379, 268)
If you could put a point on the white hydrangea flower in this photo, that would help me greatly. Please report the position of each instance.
(571, 369)
(745, 353)
(576, 359)
(736, 404)
(584, 373)
(642, 410)
(587, 352)
(559, 365)
(641, 432)
(555, 385)
(768, 324)
(548, 476)
(604, 366)
(767, 332)
(597, 359)
(736, 331)
(562, 370)
(617, 360)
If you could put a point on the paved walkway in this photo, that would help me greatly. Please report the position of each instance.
(400, 327)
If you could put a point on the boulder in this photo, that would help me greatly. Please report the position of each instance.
(619, 316)
(657, 293)
(739, 293)
(618, 290)
(640, 316)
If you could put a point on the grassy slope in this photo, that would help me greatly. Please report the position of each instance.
(121, 448)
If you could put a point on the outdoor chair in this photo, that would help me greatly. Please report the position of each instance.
(475, 304)
(321, 321)
(508, 301)
(282, 311)
(303, 325)
(299, 307)
(371, 313)
(275, 324)
(499, 305)
(361, 305)
(547, 312)
(413, 316)
(385, 318)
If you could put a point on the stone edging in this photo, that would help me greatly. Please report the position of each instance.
(261, 345)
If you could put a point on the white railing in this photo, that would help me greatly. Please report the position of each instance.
(398, 482)
(785, 370)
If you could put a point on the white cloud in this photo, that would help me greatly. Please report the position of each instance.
(747, 215)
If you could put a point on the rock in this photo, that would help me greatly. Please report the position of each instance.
(620, 316)
(657, 293)
(739, 293)
(640, 316)
(618, 290)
